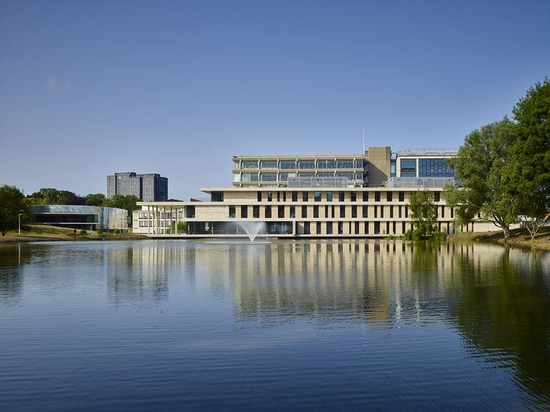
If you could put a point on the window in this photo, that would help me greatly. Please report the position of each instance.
(216, 196)
(318, 227)
(304, 196)
(345, 164)
(268, 177)
(306, 164)
(304, 211)
(365, 211)
(329, 196)
(326, 164)
(288, 164)
(294, 196)
(377, 196)
(408, 168)
(268, 164)
(341, 196)
(353, 196)
(317, 196)
(244, 212)
(354, 211)
(316, 211)
(250, 177)
(280, 212)
(268, 212)
(250, 164)
(269, 196)
(401, 196)
(256, 211)
(434, 168)
(329, 228)
(365, 196)
(259, 196)
(437, 196)
(342, 211)
(389, 196)
(307, 229)
(292, 212)
(232, 211)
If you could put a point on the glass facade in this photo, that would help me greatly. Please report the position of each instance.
(434, 168)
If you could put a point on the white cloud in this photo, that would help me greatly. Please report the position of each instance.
(54, 84)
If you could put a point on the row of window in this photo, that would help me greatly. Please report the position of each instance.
(329, 196)
(301, 164)
(326, 212)
(283, 177)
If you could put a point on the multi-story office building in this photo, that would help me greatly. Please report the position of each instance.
(147, 187)
(310, 196)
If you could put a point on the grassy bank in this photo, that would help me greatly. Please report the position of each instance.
(519, 237)
(37, 233)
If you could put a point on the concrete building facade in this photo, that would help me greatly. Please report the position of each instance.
(311, 196)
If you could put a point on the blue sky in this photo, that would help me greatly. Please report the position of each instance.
(90, 88)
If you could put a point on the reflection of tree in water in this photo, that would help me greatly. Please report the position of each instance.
(12, 258)
(425, 256)
(507, 309)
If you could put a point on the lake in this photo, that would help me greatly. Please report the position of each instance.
(348, 325)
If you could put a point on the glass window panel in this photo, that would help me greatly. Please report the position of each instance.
(345, 164)
(306, 164)
(250, 164)
(288, 164)
(268, 164)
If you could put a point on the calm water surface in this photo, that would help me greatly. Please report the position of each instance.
(281, 325)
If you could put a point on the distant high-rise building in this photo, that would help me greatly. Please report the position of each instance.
(149, 187)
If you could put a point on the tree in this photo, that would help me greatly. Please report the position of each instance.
(12, 203)
(527, 174)
(94, 199)
(480, 167)
(424, 215)
(49, 196)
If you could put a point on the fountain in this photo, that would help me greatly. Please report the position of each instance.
(251, 228)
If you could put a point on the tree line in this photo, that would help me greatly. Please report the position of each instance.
(14, 203)
(504, 167)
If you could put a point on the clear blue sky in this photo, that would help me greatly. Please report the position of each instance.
(89, 88)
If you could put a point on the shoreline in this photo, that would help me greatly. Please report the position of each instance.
(519, 238)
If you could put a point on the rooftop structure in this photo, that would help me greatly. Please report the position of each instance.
(372, 169)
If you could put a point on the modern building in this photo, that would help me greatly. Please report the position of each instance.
(81, 217)
(147, 187)
(311, 196)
